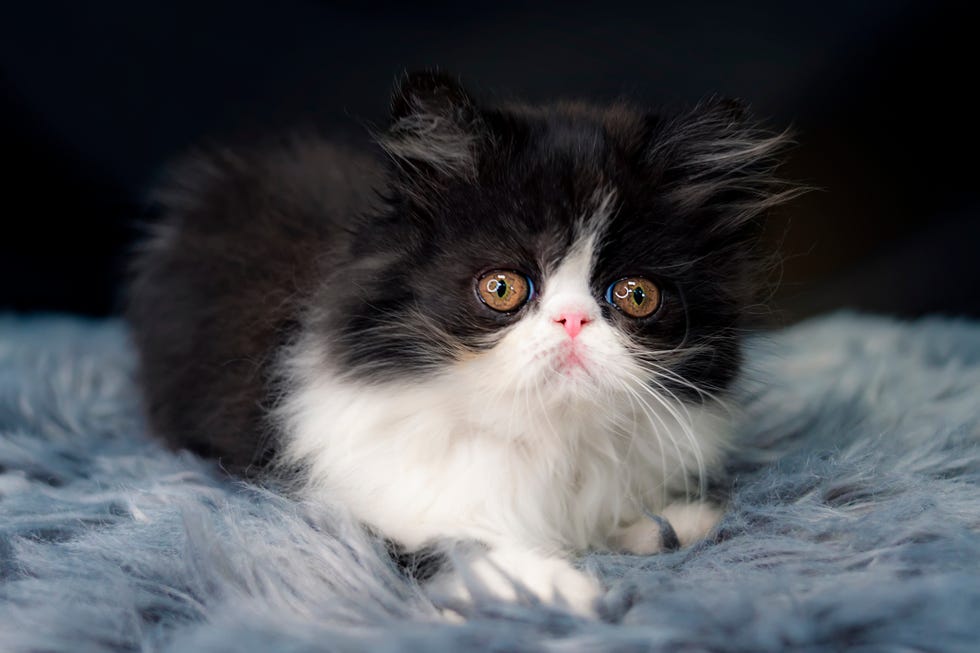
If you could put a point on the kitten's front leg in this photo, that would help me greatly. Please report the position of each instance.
(679, 524)
(511, 573)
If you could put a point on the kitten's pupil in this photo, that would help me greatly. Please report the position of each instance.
(638, 296)
(497, 287)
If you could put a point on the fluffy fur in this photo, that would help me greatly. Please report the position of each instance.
(287, 312)
(854, 521)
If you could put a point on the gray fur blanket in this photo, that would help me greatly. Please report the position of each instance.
(854, 524)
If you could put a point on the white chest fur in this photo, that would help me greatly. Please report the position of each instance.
(444, 459)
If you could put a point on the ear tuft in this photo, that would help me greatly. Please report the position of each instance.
(435, 127)
(715, 158)
(426, 91)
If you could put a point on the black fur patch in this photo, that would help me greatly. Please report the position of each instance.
(421, 564)
(668, 536)
(378, 254)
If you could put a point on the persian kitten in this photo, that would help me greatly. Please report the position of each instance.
(508, 326)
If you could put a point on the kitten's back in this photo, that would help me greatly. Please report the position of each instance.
(220, 285)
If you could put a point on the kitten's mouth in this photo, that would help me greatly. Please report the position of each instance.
(570, 360)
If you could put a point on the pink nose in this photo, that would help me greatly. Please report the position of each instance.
(573, 321)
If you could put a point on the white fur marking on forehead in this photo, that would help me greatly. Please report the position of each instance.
(591, 229)
(568, 285)
(572, 274)
(596, 223)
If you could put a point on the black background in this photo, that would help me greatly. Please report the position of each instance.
(95, 98)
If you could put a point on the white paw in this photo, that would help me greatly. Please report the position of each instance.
(515, 575)
(646, 536)
(692, 521)
(678, 525)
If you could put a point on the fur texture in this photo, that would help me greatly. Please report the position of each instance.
(854, 521)
(287, 313)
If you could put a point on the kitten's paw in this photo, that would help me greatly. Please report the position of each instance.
(692, 521)
(513, 575)
(678, 525)
(649, 535)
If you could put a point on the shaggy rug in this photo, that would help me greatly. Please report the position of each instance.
(855, 522)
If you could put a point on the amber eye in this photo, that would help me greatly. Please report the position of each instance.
(503, 290)
(635, 296)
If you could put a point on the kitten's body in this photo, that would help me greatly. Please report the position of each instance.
(286, 312)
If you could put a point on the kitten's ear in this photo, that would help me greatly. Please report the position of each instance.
(435, 127)
(716, 161)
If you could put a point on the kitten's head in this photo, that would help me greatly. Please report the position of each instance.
(562, 252)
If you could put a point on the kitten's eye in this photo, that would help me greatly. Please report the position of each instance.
(503, 290)
(635, 296)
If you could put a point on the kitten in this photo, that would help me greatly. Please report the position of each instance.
(508, 326)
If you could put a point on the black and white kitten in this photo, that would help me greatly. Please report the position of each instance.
(506, 329)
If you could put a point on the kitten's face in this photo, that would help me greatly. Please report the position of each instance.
(555, 253)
